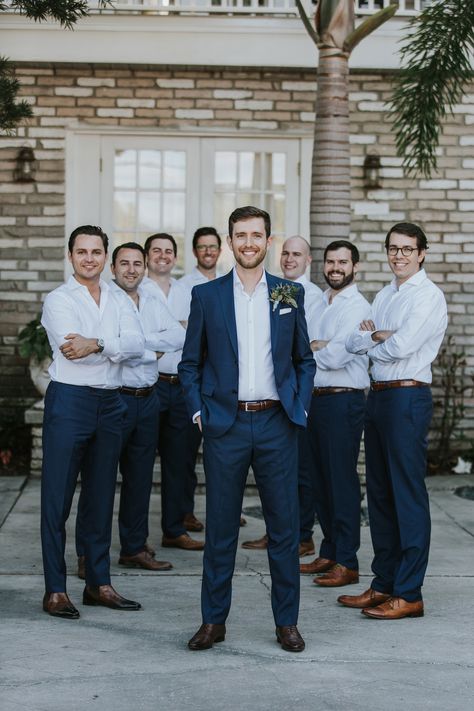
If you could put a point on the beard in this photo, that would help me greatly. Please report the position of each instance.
(337, 286)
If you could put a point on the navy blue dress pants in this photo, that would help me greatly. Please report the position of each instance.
(306, 493)
(335, 426)
(82, 432)
(396, 430)
(267, 441)
(194, 440)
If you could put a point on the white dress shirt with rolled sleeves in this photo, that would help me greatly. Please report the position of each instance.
(333, 322)
(162, 333)
(177, 303)
(312, 295)
(252, 318)
(416, 312)
(71, 309)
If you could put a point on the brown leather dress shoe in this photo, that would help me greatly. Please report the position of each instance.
(106, 596)
(395, 608)
(290, 639)
(259, 544)
(81, 567)
(319, 565)
(149, 549)
(59, 605)
(191, 523)
(369, 598)
(184, 541)
(306, 548)
(337, 576)
(144, 560)
(206, 636)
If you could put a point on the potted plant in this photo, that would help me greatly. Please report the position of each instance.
(33, 344)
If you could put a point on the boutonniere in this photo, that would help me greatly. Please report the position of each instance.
(284, 294)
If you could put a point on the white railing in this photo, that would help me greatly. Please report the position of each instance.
(247, 7)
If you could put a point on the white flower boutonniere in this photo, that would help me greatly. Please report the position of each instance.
(284, 294)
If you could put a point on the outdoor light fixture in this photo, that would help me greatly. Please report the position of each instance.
(25, 168)
(372, 171)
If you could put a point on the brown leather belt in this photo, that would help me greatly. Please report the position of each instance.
(173, 379)
(387, 384)
(137, 392)
(257, 405)
(330, 391)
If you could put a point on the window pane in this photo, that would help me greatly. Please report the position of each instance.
(174, 173)
(226, 169)
(150, 169)
(124, 211)
(148, 212)
(125, 169)
(278, 171)
(224, 204)
(174, 212)
(247, 171)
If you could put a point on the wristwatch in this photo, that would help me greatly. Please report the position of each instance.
(100, 345)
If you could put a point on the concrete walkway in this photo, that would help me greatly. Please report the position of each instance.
(116, 661)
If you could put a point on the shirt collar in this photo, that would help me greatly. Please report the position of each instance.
(414, 280)
(73, 284)
(346, 293)
(237, 281)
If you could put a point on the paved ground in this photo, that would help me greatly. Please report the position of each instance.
(116, 661)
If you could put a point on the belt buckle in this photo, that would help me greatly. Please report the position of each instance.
(247, 406)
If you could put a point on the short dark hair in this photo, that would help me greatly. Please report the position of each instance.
(202, 231)
(88, 230)
(161, 235)
(340, 244)
(128, 245)
(247, 212)
(409, 229)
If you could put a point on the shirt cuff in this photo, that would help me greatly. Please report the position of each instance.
(196, 415)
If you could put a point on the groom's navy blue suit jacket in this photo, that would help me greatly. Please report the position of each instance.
(209, 370)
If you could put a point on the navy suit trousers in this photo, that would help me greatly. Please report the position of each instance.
(335, 426)
(306, 493)
(267, 441)
(82, 431)
(396, 430)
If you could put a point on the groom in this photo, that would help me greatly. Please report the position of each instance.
(247, 372)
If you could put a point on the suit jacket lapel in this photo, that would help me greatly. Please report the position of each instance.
(228, 308)
(274, 320)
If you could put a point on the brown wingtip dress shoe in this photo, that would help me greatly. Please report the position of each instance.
(184, 541)
(81, 567)
(145, 561)
(289, 638)
(319, 565)
(395, 608)
(259, 544)
(369, 598)
(191, 523)
(106, 596)
(59, 605)
(206, 636)
(337, 576)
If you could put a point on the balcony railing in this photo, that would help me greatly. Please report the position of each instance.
(245, 7)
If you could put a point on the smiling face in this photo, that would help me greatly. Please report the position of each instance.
(207, 252)
(339, 270)
(295, 258)
(87, 258)
(404, 267)
(161, 257)
(249, 242)
(129, 269)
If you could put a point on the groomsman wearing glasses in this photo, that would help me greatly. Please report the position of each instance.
(409, 319)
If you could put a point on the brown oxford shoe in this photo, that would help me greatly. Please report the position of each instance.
(106, 596)
(319, 565)
(149, 549)
(206, 636)
(306, 548)
(184, 541)
(259, 544)
(81, 567)
(369, 598)
(191, 523)
(289, 638)
(337, 576)
(144, 560)
(59, 605)
(395, 608)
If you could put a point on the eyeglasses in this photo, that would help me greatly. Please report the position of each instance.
(406, 251)
(207, 248)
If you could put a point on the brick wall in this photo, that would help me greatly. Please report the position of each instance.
(32, 215)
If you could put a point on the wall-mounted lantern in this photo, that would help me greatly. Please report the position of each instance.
(25, 169)
(372, 167)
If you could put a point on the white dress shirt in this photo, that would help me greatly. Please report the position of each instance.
(177, 301)
(333, 322)
(252, 318)
(71, 309)
(312, 295)
(417, 313)
(161, 332)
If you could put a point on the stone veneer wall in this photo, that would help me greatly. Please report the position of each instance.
(32, 216)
